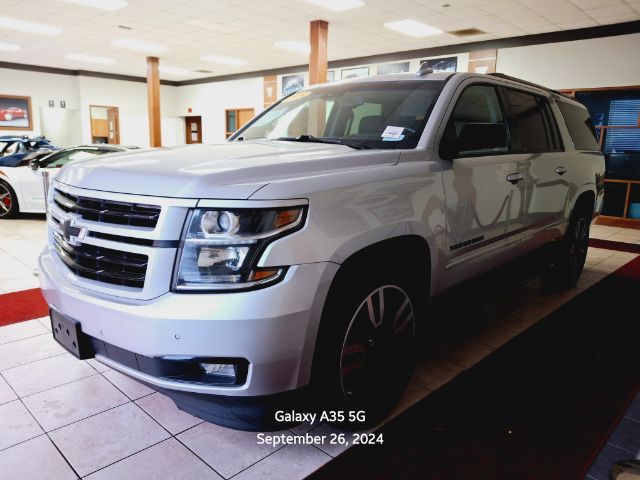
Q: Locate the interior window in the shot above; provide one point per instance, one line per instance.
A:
(477, 107)
(527, 126)
(580, 126)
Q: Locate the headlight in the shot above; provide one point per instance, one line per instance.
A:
(221, 247)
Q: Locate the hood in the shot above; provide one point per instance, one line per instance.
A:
(224, 171)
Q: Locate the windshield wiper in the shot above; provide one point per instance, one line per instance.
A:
(332, 141)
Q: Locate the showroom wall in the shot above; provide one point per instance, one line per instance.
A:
(597, 62)
(78, 93)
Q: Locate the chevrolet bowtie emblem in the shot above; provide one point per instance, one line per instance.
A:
(72, 233)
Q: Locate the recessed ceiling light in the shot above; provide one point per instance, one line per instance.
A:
(101, 4)
(223, 60)
(80, 57)
(139, 45)
(299, 47)
(174, 71)
(337, 5)
(9, 47)
(413, 28)
(29, 27)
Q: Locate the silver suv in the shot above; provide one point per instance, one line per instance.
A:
(294, 262)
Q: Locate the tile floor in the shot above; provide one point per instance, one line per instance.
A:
(61, 418)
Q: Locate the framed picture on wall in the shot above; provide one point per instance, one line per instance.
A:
(387, 68)
(355, 72)
(291, 84)
(447, 64)
(15, 113)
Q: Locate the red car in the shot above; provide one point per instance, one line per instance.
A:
(11, 113)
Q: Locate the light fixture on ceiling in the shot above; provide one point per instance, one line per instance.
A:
(298, 47)
(101, 4)
(139, 45)
(182, 72)
(337, 5)
(413, 28)
(81, 57)
(29, 27)
(223, 60)
(9, 47)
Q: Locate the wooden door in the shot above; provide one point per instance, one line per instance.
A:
(113, 125)
(237, 118)
(193, 129)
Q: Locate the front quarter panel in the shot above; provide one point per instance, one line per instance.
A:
(363, 207)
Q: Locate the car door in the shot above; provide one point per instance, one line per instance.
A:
(535, 139)
(484, 185)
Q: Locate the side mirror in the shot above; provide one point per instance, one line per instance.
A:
(482, 136)
(34, 164)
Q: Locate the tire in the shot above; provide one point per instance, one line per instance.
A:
(8, 117)
(570, 253)
(365, 353)
(8, 201)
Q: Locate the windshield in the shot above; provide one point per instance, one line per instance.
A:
(383, 115)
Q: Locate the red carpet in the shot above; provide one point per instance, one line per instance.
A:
(20, 306)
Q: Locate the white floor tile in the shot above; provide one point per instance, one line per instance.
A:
(74, 401)
(35, 459)
(6, 393)
(28, 350)
(16, 424)
(227, 451)
(165, 412)
(131, 388)
(20, 330)
(47, 373)
(26, 282)
(98, 441)
(98, 366)
(168, 460)
(46, 322)
(293, 462)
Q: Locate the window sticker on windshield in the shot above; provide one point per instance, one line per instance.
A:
(394, 139)
(393, 133)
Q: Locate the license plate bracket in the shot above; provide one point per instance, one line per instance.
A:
(68, 333)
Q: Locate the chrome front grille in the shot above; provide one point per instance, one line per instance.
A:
(103, 264)
(108, 211)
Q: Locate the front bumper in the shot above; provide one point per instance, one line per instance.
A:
(273, 328)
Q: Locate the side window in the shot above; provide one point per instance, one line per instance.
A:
(580, 126)
(477, 125)
(529, 125)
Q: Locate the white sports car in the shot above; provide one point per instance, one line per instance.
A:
(22, 188)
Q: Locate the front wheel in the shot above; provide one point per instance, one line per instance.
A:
(571, 253)
(8, 117)
(8, 201)
(366, 344)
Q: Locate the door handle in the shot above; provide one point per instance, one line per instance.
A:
(561, 170)
(514, 178)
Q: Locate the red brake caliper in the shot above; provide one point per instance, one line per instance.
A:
(7, 202)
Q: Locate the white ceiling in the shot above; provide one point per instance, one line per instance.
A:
(247, 29)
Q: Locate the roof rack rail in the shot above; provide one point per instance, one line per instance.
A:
(525, 82)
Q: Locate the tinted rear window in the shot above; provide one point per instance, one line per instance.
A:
(530, 126)
(580, 126)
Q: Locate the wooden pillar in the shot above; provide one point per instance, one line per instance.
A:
(153, 95)
(318, 61)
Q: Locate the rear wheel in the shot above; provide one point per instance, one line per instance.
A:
(8, 117)
(571, 252)
(366, 343)
(8, 201)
